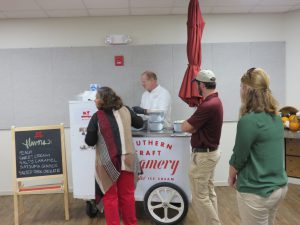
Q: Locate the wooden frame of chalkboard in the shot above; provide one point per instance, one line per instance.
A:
(39, 155)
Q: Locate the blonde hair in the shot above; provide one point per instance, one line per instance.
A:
(257, 96)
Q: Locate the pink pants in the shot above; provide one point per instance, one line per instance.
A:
(119, 201)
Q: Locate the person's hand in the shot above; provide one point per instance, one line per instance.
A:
(232, 177)
(232, 182)
(139, 110)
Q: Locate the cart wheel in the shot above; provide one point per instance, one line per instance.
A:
(91, 208)
(166, 203)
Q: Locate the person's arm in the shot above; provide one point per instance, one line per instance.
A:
(141, 109)
(196, 121)
(136, 121)
(91, 136)
(245, 137)
(187, 127)
(232, 177)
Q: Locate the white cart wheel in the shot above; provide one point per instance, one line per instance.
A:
(166, 203)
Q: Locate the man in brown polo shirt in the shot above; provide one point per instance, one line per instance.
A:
(205, 125)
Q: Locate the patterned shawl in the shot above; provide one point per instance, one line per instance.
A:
(114, 149)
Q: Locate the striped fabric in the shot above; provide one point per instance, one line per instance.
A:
(114, 149)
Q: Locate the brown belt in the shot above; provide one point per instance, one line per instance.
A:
(204, 149)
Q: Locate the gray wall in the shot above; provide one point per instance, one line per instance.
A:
(36, 84)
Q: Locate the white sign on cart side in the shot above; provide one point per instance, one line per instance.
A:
(163, 159)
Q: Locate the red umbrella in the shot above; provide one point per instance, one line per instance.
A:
(195, 25)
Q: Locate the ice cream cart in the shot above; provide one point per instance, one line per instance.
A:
(164, 157)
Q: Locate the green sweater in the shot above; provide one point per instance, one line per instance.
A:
(258, 154)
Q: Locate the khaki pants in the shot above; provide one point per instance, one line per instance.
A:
(204, 198)
(257, 210)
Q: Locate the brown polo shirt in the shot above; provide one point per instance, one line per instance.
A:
(207, 120)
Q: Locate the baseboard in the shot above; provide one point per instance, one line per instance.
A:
(221, 183)
(10, 192)
(293, 180)
(2, 193)
(217, 183)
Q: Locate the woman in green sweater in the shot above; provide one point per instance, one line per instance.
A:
(257, 164)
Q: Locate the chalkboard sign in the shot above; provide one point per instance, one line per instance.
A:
(38, 153)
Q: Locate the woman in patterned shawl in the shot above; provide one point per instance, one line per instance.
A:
(116, 163)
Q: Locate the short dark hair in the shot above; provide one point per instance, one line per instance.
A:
(110, 100)
(209, 85)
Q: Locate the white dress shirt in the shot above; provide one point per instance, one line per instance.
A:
(158, 98)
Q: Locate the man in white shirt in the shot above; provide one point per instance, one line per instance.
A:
(155, 97)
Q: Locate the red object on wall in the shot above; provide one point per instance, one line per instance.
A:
(119, 60)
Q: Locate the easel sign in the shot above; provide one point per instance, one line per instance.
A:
(39, 155)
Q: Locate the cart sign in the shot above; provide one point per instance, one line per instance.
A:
(163, 159)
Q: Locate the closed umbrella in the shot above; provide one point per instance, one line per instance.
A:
(195, 25)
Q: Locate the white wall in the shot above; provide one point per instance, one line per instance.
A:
(32, 33)
(151, 30)
(292, 21)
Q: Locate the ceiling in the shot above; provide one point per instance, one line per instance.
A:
(85, 8)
